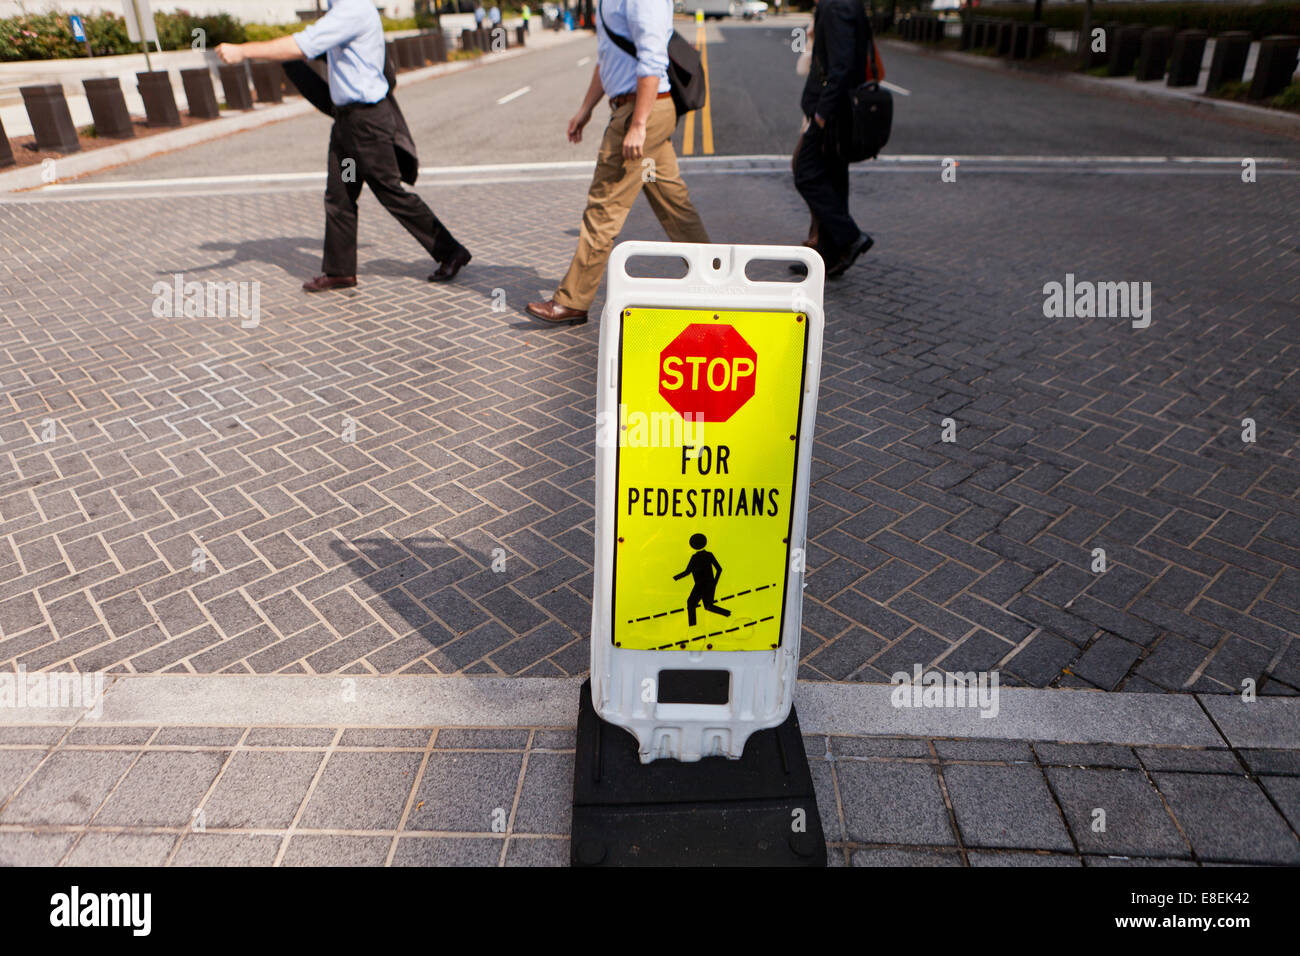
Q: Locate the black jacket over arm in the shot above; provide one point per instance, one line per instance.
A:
(841, 41)
(317, 92)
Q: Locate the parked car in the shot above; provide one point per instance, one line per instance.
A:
(752, 9)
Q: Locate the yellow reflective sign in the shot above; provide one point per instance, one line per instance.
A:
(708, 435)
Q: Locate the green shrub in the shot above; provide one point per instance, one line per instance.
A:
(1259, 20)
(41, 36)
(47, 36)
(1288, 99)
(176, 30)
(255, 32)
(107, 34)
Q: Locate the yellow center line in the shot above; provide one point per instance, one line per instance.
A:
(688, 135)
(706, 118)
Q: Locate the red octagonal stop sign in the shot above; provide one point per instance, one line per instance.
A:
(708, 371)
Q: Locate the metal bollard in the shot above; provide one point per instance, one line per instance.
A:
(51, 121)
(1185, 57)
(1127, 46)
(267, 80)
(199, 94)
(1229, 62)
(1020, 40)
(108, 108)
(1154, 56)
(234, 84)
(159, 100)
(411, 50)
(429, 45)
(1037, 40)
(1275, 66)
(1006, 34)
(1099, 58)
(6, 151)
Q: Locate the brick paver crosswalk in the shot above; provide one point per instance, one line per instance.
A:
(330, 490)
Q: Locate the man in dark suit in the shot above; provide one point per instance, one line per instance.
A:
(841, 44)
(369, 143)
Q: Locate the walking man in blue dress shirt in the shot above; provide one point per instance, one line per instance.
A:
(636, 152)
(369, 143)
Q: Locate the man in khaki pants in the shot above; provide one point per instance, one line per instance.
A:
(641, 123)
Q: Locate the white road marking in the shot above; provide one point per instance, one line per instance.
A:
(514, 96)
(584, 61)
(894, 87)
(732, 165)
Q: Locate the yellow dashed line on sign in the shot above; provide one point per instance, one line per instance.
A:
(728, 597)
(704, 637)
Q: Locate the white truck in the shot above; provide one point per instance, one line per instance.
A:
(712, 9)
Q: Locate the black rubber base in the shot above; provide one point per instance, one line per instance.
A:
(760, 810)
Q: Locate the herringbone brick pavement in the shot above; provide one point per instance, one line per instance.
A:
(199, 509)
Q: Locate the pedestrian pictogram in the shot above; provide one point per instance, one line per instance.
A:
(706, 572)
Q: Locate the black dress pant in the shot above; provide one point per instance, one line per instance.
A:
(822, 179)
(363, 134)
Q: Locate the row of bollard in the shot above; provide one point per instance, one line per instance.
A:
(413, 52)
(1147, 53)
(53, 128)
(1017, 39)
(51, 120)
(490, 39)
(922, 28)
(1154, 53)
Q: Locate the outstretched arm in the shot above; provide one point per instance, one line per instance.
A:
(342, 24)
(281, 48)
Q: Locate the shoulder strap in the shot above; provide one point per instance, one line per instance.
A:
(872, 58)
(622, 42)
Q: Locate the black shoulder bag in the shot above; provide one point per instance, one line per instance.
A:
(685, 68)
(864, 130)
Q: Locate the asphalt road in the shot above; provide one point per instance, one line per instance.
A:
(950, 109)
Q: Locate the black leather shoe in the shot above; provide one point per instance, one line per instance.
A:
(321, 283)
(850, 256)
(447, 270)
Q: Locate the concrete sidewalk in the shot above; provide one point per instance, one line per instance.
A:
(17, 123)
(166, 775)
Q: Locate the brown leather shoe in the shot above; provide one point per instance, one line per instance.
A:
(447, 270)
(556, 314)
(321, 283)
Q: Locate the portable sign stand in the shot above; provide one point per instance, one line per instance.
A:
(688, 747)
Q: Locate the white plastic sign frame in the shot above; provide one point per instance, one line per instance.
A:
(761, 682)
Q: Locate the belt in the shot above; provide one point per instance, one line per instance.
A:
(616, 101)
(349, 107)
